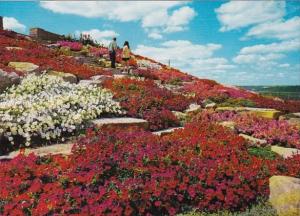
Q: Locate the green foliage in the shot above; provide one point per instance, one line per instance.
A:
(263, 152)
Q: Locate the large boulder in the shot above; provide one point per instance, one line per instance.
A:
(262, 112)
(120, 122)
(25, 67)
(7, 80)
(65, 76)
(285, 195)
(252, 141)
(285, 152)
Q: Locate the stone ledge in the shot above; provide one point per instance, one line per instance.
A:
(262, 112)
(120, 122)
(254, 141)
(166, 131)
(64, 149)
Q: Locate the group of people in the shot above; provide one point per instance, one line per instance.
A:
(113, 46)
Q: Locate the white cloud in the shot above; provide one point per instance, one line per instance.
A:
(155, 35)
(155, 14)
(256, 58)
(101, 36)
(12, 23)
(266, 54)
(286, 65)
(279, 29)
(282, 47)
(238, 14)
(189, 57)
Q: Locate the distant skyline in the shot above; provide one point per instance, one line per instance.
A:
(237, 42)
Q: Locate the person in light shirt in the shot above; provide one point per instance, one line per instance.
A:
(126, 56)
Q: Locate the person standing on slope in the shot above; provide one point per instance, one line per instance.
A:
(112, 48)
(126, 56)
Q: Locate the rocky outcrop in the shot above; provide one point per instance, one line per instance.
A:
(25, 67)
(285, 195)
(7, 80)
(65, 76)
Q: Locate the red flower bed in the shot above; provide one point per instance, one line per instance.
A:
(136, 173)
(143, 99)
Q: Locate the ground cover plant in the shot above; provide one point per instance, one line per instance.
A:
(47, 107)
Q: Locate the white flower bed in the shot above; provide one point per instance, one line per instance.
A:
(47, 106)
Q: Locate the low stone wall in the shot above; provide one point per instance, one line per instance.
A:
(43, 35)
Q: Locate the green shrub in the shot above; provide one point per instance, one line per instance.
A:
(263, 152)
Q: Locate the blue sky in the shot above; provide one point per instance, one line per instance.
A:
(238, 42)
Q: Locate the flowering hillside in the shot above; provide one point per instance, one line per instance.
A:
(202, 147)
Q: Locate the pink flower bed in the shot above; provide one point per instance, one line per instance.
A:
(278, 132)
(74, 46)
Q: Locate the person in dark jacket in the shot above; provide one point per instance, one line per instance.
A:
(112, 48)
